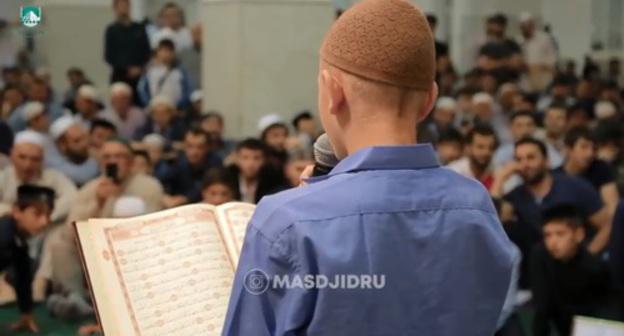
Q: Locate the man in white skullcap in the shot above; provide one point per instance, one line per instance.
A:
(121, 112)
(71, 151)
(35, 116)
(196, 107)
(37, 90)
(445, 111)
(88, 105)
(163, 120)
(129, 206)
(604, 109)
(482, 106)
(540, 53)
(27, 157)
(274, 133)
(486, 110)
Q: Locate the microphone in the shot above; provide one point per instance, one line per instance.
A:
(324, 158)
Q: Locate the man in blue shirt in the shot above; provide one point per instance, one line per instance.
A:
(388, 243)
(543, 190)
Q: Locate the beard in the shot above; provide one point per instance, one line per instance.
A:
(536, 178)
(482, 166)
(78, 157)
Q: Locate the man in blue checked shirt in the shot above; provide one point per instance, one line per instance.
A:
(388, 243)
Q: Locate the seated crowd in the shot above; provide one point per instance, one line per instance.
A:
(546, 142)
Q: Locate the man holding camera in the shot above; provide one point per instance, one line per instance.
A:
(96, 199)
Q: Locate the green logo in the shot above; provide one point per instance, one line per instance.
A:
(30, 15)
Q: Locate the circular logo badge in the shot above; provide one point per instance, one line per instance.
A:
(256, 281)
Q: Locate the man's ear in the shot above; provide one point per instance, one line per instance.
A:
(16, 212)
(335, 91)
(579, 234)
(430, 99)
(60, 144)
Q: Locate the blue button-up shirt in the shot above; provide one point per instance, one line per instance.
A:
(391, 212)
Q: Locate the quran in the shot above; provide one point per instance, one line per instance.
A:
(588, 326)
(165, 273)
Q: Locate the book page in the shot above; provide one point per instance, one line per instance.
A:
(587, 326)
(233, 220)
(171, 270)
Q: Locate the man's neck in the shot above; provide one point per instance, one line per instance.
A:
(25, 179)
(477, 170)
(553, 138)
(124, 20)
(249, 180)
(123, 114)
(380, 134)
(541, 188)
(571, 169)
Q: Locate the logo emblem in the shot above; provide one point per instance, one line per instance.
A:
(30, 15)
(256, 281)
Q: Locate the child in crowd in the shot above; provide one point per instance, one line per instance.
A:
(29, 216)
(141, 163)
(566, 279)
(165, 77)
(450, 146)
(253, 177)
(218, 187)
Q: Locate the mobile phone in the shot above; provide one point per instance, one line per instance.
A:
(111, 171)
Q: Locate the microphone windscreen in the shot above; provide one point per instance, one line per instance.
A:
(323, 152)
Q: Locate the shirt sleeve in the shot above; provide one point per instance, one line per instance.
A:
(603, 173)
(549, 52)
(588, 199)
(144, 46)
(108, 46)
(509, 305)
(542, 299)
(257, 307)
(66, 193)
(23, 281)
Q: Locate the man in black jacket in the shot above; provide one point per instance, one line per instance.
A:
(126, 46)
(566, 279)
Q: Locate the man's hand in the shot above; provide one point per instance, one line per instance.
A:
(306, 173)
(501, 176)
(89, 329)
(292, 143)
(505, 172)
(25, 323)
(173, 201)
(134, 71)
(105, 189)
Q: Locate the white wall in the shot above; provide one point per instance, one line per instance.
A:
(261, 56)
(571, 22)
(72, 34)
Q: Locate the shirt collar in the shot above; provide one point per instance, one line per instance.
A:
(418, 156)
(389, 157)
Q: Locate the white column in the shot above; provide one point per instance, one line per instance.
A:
(261, 56)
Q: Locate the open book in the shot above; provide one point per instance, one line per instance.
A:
(166, 273)
(588, 326)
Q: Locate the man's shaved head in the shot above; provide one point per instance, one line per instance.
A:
(376, 75)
